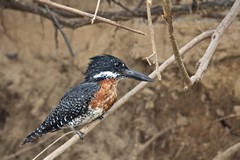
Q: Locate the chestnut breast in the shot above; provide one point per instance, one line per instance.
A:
(106, 96)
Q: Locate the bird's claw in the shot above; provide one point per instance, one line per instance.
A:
(100, 117)
(80, 134)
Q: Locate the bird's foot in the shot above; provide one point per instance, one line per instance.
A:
(100, 117)
(80, 134)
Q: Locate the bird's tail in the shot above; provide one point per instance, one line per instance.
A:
(35, 135)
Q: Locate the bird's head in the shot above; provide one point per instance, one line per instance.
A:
(107, 66)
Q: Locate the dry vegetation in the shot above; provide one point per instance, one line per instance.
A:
(162, 121)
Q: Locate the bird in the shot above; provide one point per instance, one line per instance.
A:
(90, 99)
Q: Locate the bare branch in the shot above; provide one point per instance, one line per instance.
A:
(50, 145)
(220, 30)
(179, 151)
(186, 48)
(27, 149)
(150, 26)
(229, 153)
(124, 7)
(96, 10)
(127, 96)
(74, 20)
(226, 117)
(168, 17)
(82, 13)
(151, 140)
(148, 57)
(59, 27)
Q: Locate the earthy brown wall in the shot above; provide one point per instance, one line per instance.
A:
(32, 83)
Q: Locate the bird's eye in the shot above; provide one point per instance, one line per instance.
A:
(117, 65)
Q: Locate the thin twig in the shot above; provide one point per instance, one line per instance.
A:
(220, 30)
(225, 118)
(59, 27)
(96, 10)
(150, 26)
(179, 151)
(229, 153)
(168, 17)
(27, 149)
(148, 57)
(75, 21)
(124, 7)
(139, 4)
(151, 140)
(52, 144)
(187, 47)
(127, 96)
(82, 13)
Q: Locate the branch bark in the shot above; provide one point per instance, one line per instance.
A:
(150, 26)
(73, 20)
(82, 13)
(59, 27)
(126, 97)
(168, 17)
(229, 153)
(220, 30)
(156, 136)
(96, 11)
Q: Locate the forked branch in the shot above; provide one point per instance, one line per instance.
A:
(220, 30)
(150, 26)
(167, 15)
(125, 98)
(96, 11)
(59, 27)
(82, 13)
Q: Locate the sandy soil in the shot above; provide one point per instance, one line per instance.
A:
(34, 75)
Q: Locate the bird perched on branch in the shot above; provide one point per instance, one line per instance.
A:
(89, 100)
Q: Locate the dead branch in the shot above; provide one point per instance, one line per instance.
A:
(150, 26)
(96, 11)
(220, 30)
(82, 13)
(229, 153)
(74, 20)
(127, 96)
(179, 151)
(147, 59)
(123, 7)
(225, 118)
(156, 136)
(27, 149)
(168, 17)
(50, 145)
(59, 27)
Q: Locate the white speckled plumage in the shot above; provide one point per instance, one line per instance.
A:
(90, 99)
(91, 115)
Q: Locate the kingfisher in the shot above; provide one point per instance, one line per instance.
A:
(90, 99)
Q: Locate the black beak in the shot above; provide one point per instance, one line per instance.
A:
(136, 75)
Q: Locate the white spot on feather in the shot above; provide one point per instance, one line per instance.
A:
(86, 118)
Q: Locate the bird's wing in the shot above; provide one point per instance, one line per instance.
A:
(73, 104)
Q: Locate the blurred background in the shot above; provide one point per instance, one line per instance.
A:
(34, 75)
